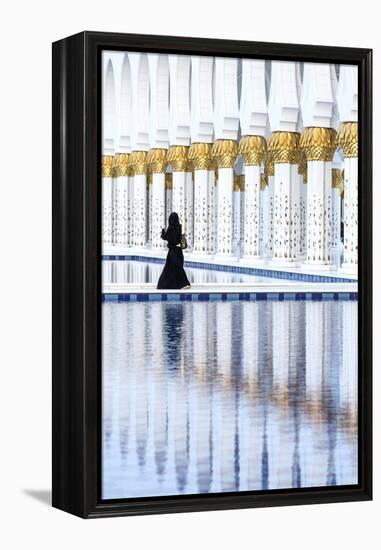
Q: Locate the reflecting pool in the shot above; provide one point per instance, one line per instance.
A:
(137, 272)
(204, 397)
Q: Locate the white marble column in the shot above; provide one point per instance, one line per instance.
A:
(302, 171)
(189, 202)
(263, 215)
(156, 161)
(318, 145)
(224, 152)
(138, 168)
(107, 162)
(269, 173)
(202, 129)
(120, 199)
(140, 144)
(347, 139)
(178, 160)
(199, 156)
(283, 144)
(252, 149)
(236, 214)
(284, 148)
(168, 196)
(337, 189)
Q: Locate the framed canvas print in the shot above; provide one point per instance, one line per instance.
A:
(211, 274)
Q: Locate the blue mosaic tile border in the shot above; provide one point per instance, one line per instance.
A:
(231, 297)
(272, 273)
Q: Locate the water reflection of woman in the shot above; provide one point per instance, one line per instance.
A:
(173, 274)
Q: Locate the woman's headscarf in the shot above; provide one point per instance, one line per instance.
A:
(173, 221)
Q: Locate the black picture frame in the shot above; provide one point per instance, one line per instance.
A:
(76, 180)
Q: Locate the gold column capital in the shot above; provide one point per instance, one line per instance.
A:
(338, 179)
(120, 165)
(168, 181)
(252, 149)
(283, 147)
(269, 164)
(157, 160)
(177, 158)
(199, 156)
(224, 152)
(107, 163)
(138, 165)
(302, 165)
(264, 181)
(318, 143)
(347, 139)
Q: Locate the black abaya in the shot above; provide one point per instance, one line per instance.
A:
(173, 274)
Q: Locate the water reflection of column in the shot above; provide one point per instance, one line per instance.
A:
(250, 453)
(315, 333)
(349, 371)
(181, 418)
(280, 460)
(138, 312)
(297, 386)
(160, 404)
(123, 385)
(226, 456)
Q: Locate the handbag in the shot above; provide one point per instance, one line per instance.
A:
(183, 242)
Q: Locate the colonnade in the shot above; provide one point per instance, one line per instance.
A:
(259, 159)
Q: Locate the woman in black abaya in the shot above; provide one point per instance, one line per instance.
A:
(173, 274)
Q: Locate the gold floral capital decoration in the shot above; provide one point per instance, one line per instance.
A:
(157, 160)
(269, 164)
(177, 158)
(338, 179)
(168, 181)
(138, 164)
(347, 139)
(302, 165)
(284, 146)
(264, 181)
(318, 143)
(252, 149)
(120, 165)
(199, 156)
(224, 152)
(107, 163)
